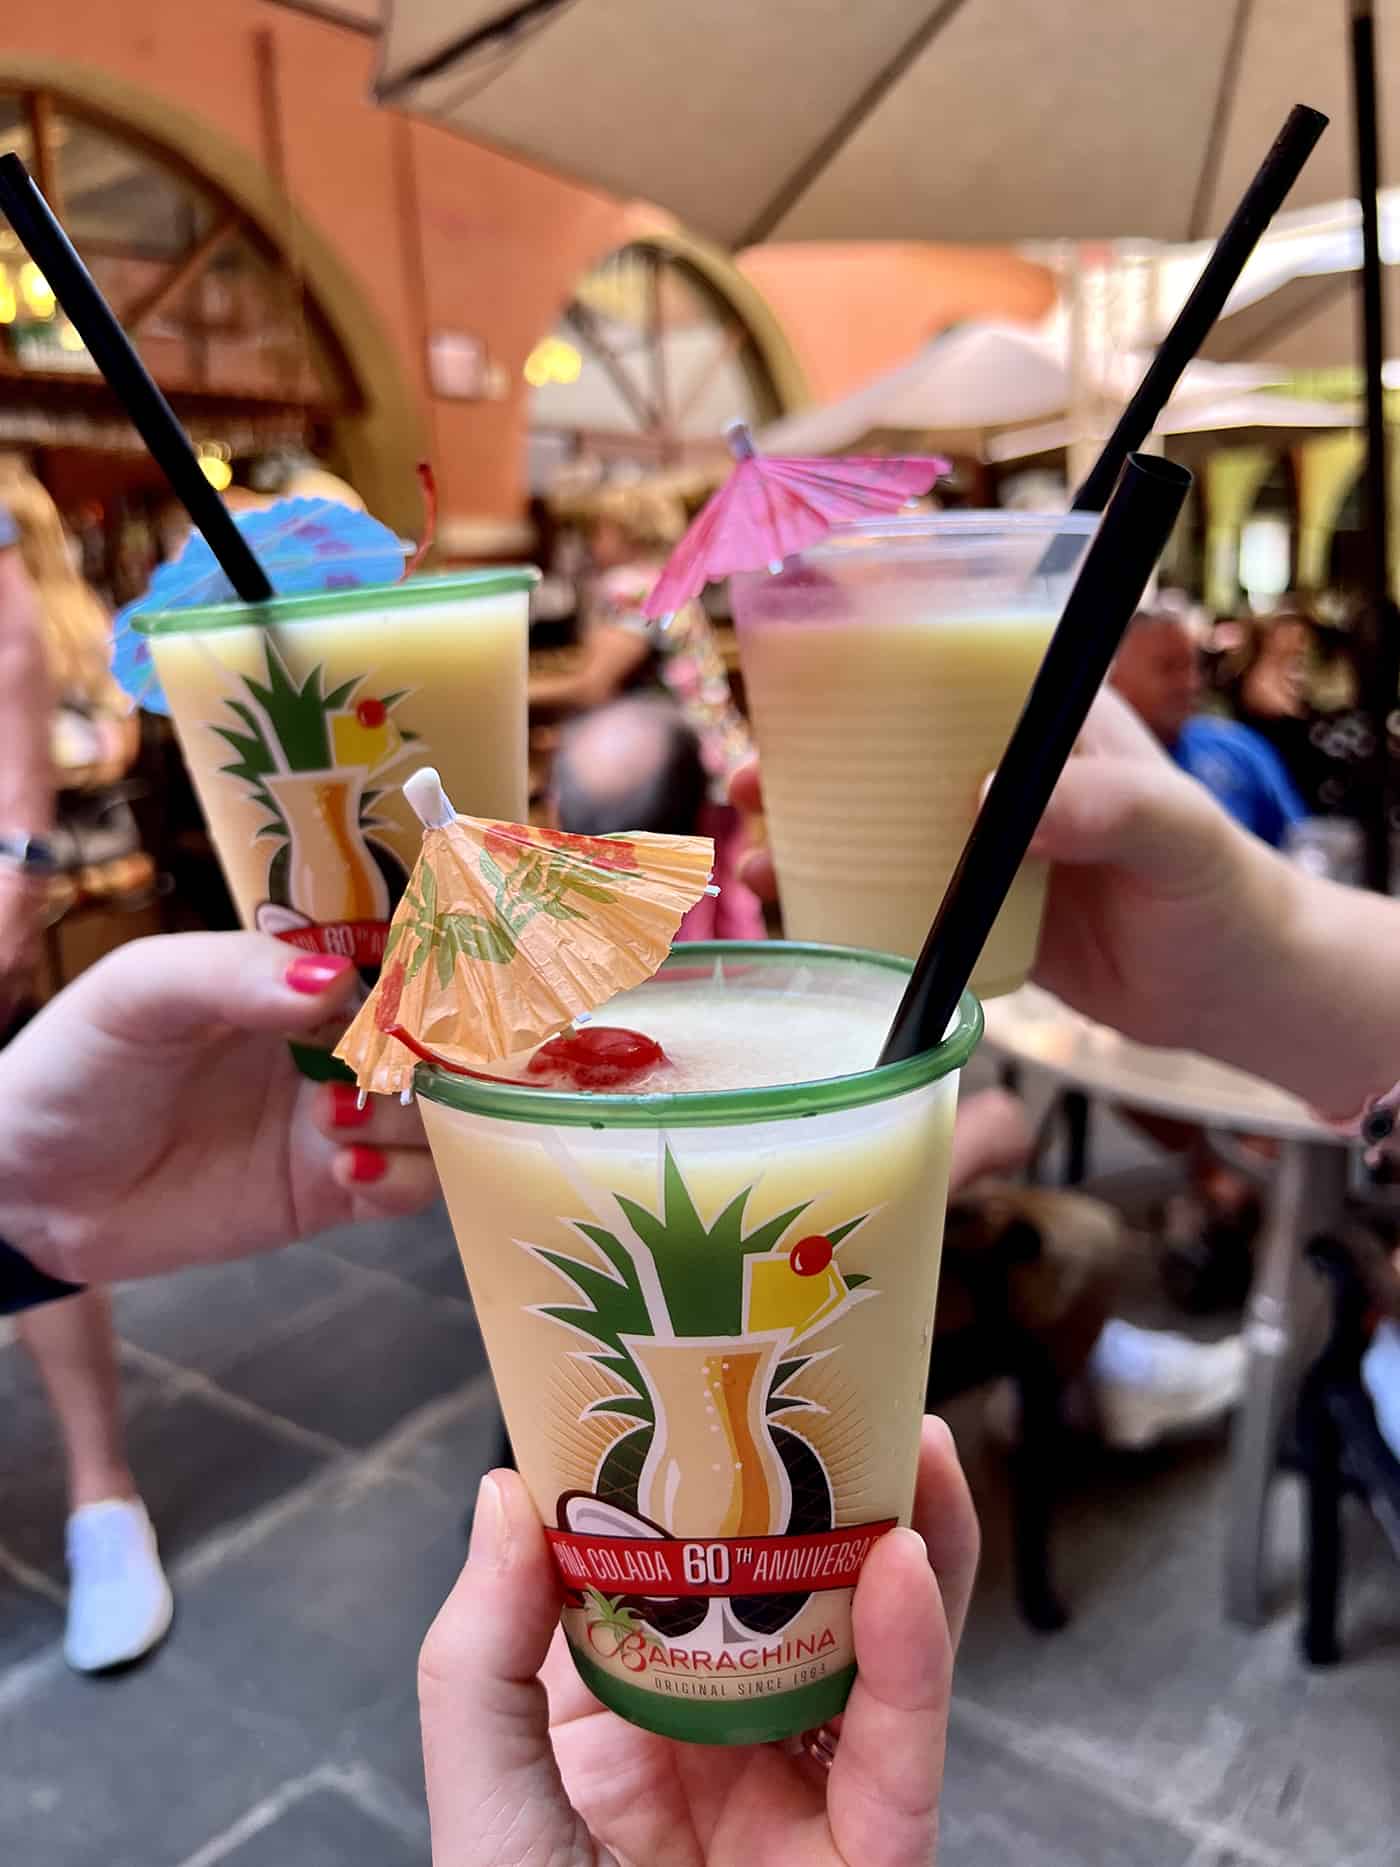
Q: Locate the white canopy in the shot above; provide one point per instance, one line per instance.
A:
(979, 377)
(1214, 415)
(967, 120)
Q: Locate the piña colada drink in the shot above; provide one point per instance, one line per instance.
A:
(885, 670)
(300, 718)
(708, 1304)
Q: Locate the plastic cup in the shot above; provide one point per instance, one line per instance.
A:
(885, 670)
(709, 1316)
(299, 720)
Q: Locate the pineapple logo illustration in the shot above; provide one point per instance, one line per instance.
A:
(314, 761)
(699, 1329)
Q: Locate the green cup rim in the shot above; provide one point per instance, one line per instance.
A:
(412, 593)
(718, 1108)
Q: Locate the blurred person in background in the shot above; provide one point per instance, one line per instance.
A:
(631, 532)
(1267, 687)
(635, 764)
(65, 736)
(1299, 684)
(1158, 672)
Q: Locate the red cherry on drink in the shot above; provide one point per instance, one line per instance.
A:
(810, 1256)
(371, 713)
(599, 1056)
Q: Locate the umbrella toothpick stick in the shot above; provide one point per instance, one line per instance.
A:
(431, 804)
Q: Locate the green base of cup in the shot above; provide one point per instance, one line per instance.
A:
(764, 1720)
(319, 1066)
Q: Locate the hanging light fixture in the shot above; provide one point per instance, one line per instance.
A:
(36, 291)
(214, 459)
(552, 360)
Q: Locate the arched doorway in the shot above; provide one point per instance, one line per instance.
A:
(257, 331)
(662, 343)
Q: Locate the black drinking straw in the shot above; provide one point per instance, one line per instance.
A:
(152, 416)
(1111, 580)
(1262, 199)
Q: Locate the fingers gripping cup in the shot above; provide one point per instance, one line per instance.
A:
(708, 1305)
(885, 669)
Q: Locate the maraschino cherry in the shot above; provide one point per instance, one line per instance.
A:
(371, 713)
(597, 1056)
(810, 1256)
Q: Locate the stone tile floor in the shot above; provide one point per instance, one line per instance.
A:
(308, 1430)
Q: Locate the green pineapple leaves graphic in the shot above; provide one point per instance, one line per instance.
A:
(700, 1271)
(613, 1306)
(294, 721)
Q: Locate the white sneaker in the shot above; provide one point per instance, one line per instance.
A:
(119, 1602)
(1148, 1383)
(1380, 1376)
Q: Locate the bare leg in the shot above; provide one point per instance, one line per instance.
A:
(991, 1135)
(72, 1346)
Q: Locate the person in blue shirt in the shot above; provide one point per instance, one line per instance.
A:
(1158, 673)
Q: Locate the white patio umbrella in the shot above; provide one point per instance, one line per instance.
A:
(963, 120)
(1227, 413)
(1295, 304)
(977, 378)
(1309, 320)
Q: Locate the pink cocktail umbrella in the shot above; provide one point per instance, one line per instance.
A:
(772, 506)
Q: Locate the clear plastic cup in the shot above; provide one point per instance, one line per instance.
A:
(299, 720)
(708, 1316)
(885, 669)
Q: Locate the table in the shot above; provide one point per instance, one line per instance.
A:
(1304, 1195)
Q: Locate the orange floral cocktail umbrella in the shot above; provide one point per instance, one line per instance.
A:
(507, 932)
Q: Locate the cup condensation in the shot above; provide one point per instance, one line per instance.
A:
(299, 720)
(885, 670)
(709, 1318)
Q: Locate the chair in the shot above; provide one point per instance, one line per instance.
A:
(1027, 1283)
(1340, 1447)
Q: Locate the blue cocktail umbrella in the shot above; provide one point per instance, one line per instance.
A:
(304, 545)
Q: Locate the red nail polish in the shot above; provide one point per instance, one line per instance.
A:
(312, 973)
(345, 1107)
(367, 1164)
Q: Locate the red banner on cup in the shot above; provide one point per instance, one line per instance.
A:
(362, 941)
(715, 1566)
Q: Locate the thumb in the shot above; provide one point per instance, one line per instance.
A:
(181, 988)
(494, 1791)
(884, 1788)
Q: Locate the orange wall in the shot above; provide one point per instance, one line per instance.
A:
(851, 310)
(503, 246)
(435, 231)
(496, 247)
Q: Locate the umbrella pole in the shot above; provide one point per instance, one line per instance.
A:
(1382, 656)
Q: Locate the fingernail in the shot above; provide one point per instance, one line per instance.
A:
(313, 973)
(345, 1107)
(367, 1164)
(912, 1536)
(490, 1541)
